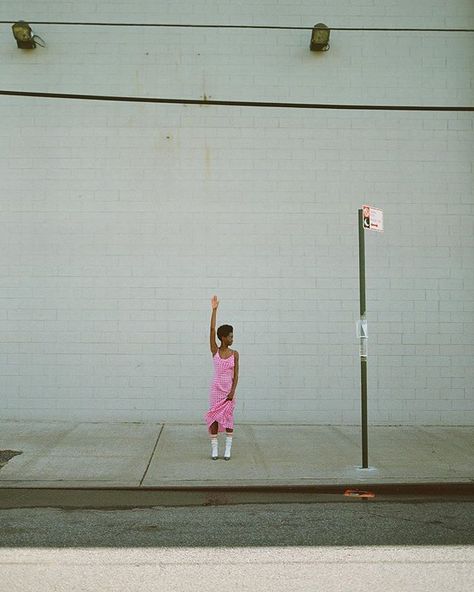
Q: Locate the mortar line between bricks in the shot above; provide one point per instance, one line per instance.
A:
(152, 455)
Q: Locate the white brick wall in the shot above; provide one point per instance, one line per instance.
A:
(120, 220)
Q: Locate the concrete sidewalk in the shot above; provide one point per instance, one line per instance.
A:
(147, 455)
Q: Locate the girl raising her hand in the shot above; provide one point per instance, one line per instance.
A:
(220, 416)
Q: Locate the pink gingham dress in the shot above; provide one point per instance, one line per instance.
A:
(221, 410)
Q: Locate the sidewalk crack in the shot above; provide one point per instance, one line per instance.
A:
(151, 457)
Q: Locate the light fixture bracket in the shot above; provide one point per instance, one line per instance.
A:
(23, 35)
(320, 37)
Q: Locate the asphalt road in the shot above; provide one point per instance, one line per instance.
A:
(324, 546)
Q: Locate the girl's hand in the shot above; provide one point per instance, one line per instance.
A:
(214, 303)
(230, 396)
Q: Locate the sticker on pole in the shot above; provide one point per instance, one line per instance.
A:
(372, 218)
(361, 328)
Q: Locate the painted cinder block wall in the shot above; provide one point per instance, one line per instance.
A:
(119, 221)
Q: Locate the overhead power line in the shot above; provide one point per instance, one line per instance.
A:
(178, 25)
(267, 104)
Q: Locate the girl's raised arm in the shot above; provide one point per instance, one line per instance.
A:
(213, 344)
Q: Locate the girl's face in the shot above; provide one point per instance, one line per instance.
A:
(228, 340)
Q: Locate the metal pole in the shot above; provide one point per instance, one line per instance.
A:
(363, 345)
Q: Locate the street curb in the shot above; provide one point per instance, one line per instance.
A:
(147, 497)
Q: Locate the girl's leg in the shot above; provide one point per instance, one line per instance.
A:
(228, 443)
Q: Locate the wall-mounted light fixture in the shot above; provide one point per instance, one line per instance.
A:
(23, 35)
(320, 38)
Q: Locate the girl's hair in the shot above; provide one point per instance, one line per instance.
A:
(224, 331)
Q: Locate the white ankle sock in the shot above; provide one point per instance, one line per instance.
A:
(228, 445)
(214, 446)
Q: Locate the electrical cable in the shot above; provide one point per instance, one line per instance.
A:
(179, 25)
(182, 101)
